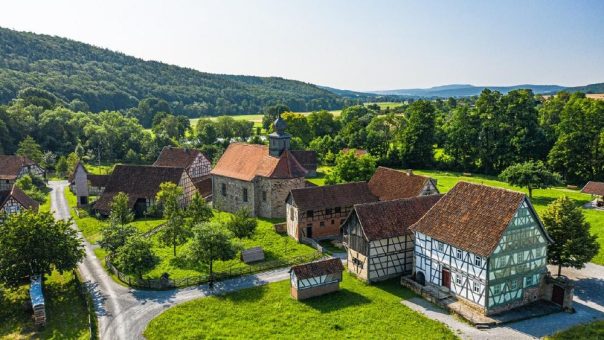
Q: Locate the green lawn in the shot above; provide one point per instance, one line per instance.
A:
(541, 198)
(255, 118)
(593, 330)
(276, 246)
(102, 169)
(67, 316)
(358, 311)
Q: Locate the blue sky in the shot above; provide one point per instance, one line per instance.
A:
(358, 45)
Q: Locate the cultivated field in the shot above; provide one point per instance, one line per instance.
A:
(358, 311)
(599, 96)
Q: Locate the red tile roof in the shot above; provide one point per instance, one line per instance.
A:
(388, 219)
(318, 268)
(389, 184)
(471, 216)
(331, 196)
(10, 165)
(594, 188)
(21, 197)
(177, 157)
(246, 161)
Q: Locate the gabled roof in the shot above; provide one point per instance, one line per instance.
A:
(318, 268)
(10, 165)
(389, 184)
(137, 181)
(388, 219)
(177, 157)
(246, 161)
(330, 196)
(204, 186)
(594, 188)
(472, 217)
(21, 197)
(98, 180)
(307, 158)
(75, 169)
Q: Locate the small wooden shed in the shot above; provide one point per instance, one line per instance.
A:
(316, 278)
(37, 301)
(255, 254)
(595, 189)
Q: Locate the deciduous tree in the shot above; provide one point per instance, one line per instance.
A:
(175, 232)
(530, 175)
(210, 243)
(120, 213)
(135, 257)
(242, 224)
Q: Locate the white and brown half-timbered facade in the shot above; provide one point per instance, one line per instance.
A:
(15, 200)
(377, 237)
(13, 167)
(316, 278)
(485, 245)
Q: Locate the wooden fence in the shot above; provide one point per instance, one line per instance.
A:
(168, 283)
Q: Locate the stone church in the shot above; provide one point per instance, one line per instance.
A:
(259, 177)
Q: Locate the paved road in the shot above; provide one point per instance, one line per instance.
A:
(124, 313)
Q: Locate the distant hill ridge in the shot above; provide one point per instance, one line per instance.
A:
(108, 80)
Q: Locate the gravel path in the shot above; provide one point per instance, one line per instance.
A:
(124, 313)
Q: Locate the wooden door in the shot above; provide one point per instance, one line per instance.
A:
(558, 295)
(309, 232)
(446, 278)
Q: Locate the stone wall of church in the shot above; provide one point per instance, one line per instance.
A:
(232, 197)
(271, 195)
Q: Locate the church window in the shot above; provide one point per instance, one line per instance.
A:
(264, 196)
(223, 189)
(244, 194)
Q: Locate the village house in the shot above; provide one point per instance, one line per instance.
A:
(485, 246)
(257, 177)
(13, 167)
(141, 183)
(596, 190)
(318, 212)
(316, 278)
(15, 200)
(198, 166)
(83, 184)
(377, 238)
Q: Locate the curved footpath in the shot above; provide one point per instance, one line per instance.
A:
(124, 313)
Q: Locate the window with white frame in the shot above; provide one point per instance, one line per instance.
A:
(514, 285)
(476, 287)
(478, 261)
(529, 280)
(458, 279)
(440, 246)
(520, 257)
(459, 254)
(497, 289)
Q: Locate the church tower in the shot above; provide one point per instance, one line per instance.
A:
(279, 140)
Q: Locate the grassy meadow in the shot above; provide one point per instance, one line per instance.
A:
(67, 316)
(593, 330)
(357, 311)
(276, 246)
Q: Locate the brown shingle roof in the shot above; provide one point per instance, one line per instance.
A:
(388, 219)
(98, 180)
(73, 172)
(177, 157)
(389, 184)
(318, 268)
(246, 161)
(204, 186)
(594, 188)
(10, 165)
(138, 181)
(472, 217)
(19, 196)
(330, 196)
(307, 158)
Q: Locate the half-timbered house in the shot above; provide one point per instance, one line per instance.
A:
(318, 212)
(15, 200)
(390, 184)
(141, 183)
(377, 237)
(84, 184)
(316, 278)
(483, 245)
(13, 167)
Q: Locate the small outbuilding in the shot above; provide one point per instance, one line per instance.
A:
(596, 190)
(316, 278)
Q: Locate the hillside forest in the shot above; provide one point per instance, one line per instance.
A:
(484, 134)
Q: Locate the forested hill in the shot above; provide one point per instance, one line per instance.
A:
(107, 80)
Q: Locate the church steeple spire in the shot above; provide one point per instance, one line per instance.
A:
(279, 140)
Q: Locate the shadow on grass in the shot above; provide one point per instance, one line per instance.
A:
(393, 287)
(335, 301)
(182, 262)
(245, 295)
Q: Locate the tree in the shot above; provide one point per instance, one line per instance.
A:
(297, 125)
(350, 168)
(573, 244)
(135, 257)
(242, 224)
(271, 113)
(210, 243)
(322, 123)
(30, 149)
(199, 210)
(417, 139)
(530, 175)
(114, 236)
(120, 212)
(175, 232)
(62, 167)
(35, 243)
(206, 131)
